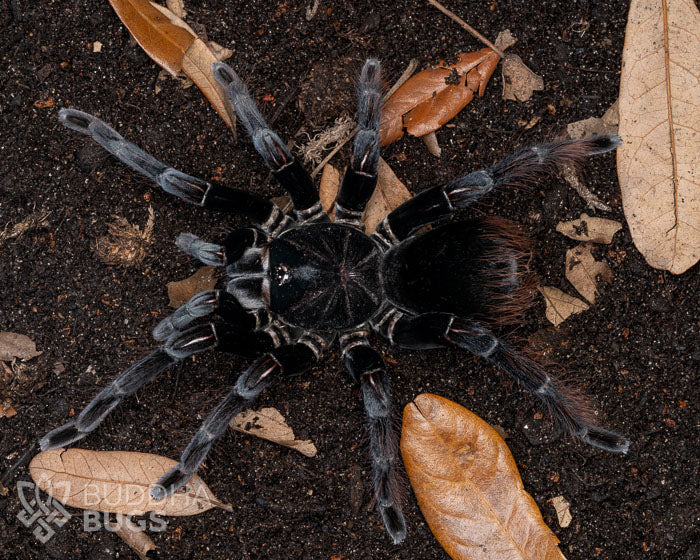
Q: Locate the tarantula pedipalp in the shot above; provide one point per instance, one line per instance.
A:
(296, 283)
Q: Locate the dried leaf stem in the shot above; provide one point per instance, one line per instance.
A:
(467, 27)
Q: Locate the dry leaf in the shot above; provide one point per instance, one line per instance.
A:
(518, 80)
(177, 7)
(181, 291)
(468, 486)
(13, 345)
(587, 228)
(563, 513)
(125, 245)
(174, 46)
(434, 96)
(134, 536)
(560, 305)
(431, 142)
(117, 482)
(7, 410)
(389, 193)
(590, 127)
(658, 163)
(584, 272)
(269, 424)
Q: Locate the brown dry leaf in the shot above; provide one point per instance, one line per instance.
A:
(137, 539)
(117, 482)
(125, 245)
(434, 96)
(584, 272)
(560, 305)
(13, 345)
(658, 163)
(518, 80)
(269, 424)
(389, 193)
(7, 410)
(561, 506)
(468, 486)
(174, 46)
(592, 229)
(181, 291)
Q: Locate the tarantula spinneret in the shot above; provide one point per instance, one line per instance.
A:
(296, 283)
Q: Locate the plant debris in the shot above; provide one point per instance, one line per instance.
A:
(468, 486)
(584, 272)
(13, 345)
(35, 220)
(181, 291)
(592, 229)
(658, 163)
(125, 245)
(560, 305)
(137, 539)
(268, 423)
(561, 506)
(518, 80)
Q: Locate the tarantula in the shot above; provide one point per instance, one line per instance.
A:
(295, 283)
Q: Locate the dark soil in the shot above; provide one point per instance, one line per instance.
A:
(635, 351)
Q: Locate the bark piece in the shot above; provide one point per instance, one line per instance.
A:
(658, 163)
(135, 537)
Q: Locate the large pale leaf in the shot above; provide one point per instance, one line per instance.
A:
(117, 482)
(468, 486)
(659, 160)
(174, 46)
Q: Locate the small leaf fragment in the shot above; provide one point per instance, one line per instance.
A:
(592, 229)
(389, 193)
(181, 291)
(518, 80)
(135, 537)
(269, 424)
(590, 127)
(584, 272)
(13, 345)
(7, 410)
(116, 482)
(468, 486)
(561, 506)
(560, 305)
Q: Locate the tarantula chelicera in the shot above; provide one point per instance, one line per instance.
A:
(295, 283)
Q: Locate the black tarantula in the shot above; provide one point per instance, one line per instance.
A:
(295, 283)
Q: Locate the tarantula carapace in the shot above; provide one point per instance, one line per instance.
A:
(295, 283)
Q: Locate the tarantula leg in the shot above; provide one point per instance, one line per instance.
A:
(286, 360)
(189, 188)
(522, 168)
(365, 365)
(361, 177)
(567, 405)
(219, 302)
(179, 346)
(288, 171)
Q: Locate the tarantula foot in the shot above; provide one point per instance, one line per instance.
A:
(602, 143)
(605, 439)
(61, 437)
(170, 482)
(394, 522)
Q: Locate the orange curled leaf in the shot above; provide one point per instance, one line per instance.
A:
(173, 45)
(434, 96)
(468, 486)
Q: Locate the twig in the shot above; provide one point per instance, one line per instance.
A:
(468, 27)
(412, 65)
